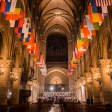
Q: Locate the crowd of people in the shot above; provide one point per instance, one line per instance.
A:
(57, 99)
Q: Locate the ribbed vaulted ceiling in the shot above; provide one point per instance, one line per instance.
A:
(57, 16)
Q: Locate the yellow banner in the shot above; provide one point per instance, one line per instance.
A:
(17, 11)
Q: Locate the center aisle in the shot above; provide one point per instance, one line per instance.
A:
(55, 108)
(52, 108)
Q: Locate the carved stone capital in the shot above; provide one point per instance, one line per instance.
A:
(17, 70)
(95, 73)
(14, 77)
(16, 74)
(78, 83)
(87, 74)
(95, 70)
(83, 80)
(105, 65)
(5, 63)
(105, 62)
(88, 77)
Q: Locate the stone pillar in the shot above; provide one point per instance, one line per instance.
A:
(89, 90)
(16, 78)
(76, 73)
(71, 83)
(29, 87)
(83, 89)
(86, 91)
(96, 85)
(79, 94)
(89, 86)
(82, 66)
(37, 74)
(106, 80)
(34, 89)
(78, 90)
(75, 90)
(70, 45)
(5, 68)
(74, 79)
(41, 84)
(43, 48)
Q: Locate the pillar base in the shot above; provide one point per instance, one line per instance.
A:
(105, 65)
(5, 68)
(16, 85)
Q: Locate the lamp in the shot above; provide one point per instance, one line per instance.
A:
(9, 94)
(62, 88)
(51, 88)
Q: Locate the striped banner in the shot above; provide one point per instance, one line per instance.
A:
(13, 5)
(2, 6)
(102, 3)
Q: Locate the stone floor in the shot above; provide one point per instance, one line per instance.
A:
(55, 108)
(75, 108)
(45, 107)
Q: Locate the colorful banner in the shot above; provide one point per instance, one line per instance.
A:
(12, 9)
(97, 10)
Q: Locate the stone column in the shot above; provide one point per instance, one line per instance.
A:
(82, 66)
(96, 85)
(5, 68)
(70, 45)
(89, 86)
(37, 74)
(106, 80)
(29, 87)
(71, 83)
(89, 89)
(16, 77)
(34, 89)
(76, 73)
(79, 94)
(43, 48)
(74, 79)
(78, 90)
(41, 83)
(83, 89)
